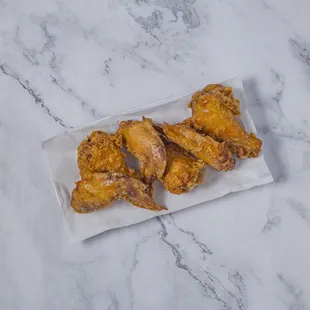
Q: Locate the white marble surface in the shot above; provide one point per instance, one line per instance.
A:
(65, 63)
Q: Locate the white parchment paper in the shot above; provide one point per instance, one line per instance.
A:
(61, 153)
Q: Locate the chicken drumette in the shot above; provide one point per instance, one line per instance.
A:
(214, 112)
(101, 152)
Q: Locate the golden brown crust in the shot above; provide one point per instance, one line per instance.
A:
(175, 154)
(225, 94)
(184, 171)
(187, 122)
(101, 152)
(144, 143)
(99, 190)
(106, 177)
(214, 153)
(213, 112)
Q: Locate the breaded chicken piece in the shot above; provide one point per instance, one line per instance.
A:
(143, 142)
(104, 170)
(98, 190)
(183, 172)
(215, 154)
(101, 152)
(213, 112)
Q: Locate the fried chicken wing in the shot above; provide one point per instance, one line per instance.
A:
(104, 174)
(216, 154)
(98, 190)
(143, 141)
(183, 172)
(213, 112)
(101, 152)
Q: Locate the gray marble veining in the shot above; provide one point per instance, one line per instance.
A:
(66, 63)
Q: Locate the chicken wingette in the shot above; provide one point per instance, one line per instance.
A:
(143, 142)
(216, 154)
(99, 190)
(184, 171)
(106, 177)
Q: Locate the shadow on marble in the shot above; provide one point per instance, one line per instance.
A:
(271, 147)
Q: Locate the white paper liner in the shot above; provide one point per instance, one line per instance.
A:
(61, 153)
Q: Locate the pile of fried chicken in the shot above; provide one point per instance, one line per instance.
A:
(174, 154)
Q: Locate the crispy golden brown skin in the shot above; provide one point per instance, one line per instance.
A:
(183, 171)
(143, 141)
(104, 173)
(98, 190)
(216, 154)
(101, 152)
(213, 112)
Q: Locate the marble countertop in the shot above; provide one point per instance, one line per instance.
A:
(66, 63)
